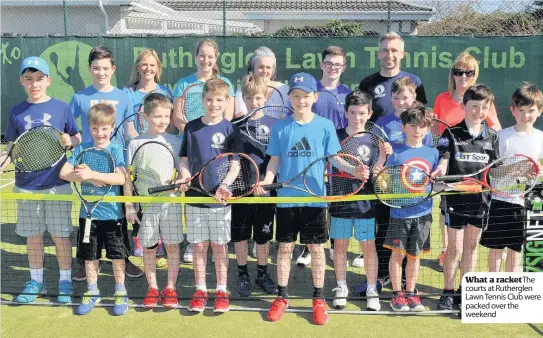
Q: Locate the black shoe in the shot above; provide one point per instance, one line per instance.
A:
(458, 297)
(244, 286)
(267, 284)
(446, 302)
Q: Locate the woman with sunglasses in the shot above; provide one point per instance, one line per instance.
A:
(448, 108)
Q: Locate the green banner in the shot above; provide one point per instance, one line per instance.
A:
(504, 61)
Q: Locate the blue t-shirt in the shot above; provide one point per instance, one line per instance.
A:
(183, 83)
(297, 145)
(202, 142)
(380, 89)
(328, 107)
(83, 100)
(104, 210)
(137, 97)
(392, 125)
(425, 158)
(25, 116)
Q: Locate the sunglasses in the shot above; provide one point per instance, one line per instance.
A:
(460, 72)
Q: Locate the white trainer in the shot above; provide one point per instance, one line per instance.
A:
(358, 262)
(340, 297)
(187, 256)
(372, 300)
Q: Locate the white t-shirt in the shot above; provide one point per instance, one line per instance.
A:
(170, 141)
(512, 142)
(276, 98)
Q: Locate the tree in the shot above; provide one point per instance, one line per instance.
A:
(331, 28)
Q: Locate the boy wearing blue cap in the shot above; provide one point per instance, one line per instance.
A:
(295, 142)
(34, 217)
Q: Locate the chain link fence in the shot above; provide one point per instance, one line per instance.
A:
(310, 18)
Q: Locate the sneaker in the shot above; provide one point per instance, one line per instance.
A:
(161, 263)
(441, 261)
(446, 302)
(267, 284)
(169, 298)
(331, 254)
(120, 306)
(304, 259)
(138, 249)
(132, 271)
(413, 301)
(399, 303)
(458, 298)
(320, 315)
(254, 250)
(160, 249)
(80, 275)
(277, 309)
(65, 291)
(152, 298)
(31, 290)
(198, 301)
(87, 303)
(222, 303)
(187, 256)
(244, 286)
(372, 300)
(340, 297)
(358, 262)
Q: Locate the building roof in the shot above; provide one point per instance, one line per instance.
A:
(296, 5)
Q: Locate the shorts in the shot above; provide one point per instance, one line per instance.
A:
(34, 217)
(505, 228)
(342, 228)
(309, 222)
(255, 219)
(161, 221)
(459, 222)
(409, 235)
(111, 235)
(208, 224)
(443, 205)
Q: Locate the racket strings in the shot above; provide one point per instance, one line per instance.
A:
(513, 176)
(366, 147)
(153, 165)
(340, 176)
(373, 128)
(411, 185)
(238, 173)
(99, 161)
(193, 107)
(437, 129)
(38, 149)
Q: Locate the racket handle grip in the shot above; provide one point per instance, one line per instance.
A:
(473, 188)
(272, 186)
(451, 178)
(162, 188)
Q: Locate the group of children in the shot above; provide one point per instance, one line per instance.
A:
(407, 232)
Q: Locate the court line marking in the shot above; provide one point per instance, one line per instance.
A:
(5, 185)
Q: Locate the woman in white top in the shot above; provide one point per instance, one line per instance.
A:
(263, 63)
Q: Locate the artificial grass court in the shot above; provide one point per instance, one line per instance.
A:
(59, 321)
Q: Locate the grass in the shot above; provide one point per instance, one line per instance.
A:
(47, 321)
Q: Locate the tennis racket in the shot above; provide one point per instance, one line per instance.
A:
(99, 160)
(374, 128)
(126, 130)
(511, 176)
(36, 149)
(341, 172)
(437, 129)
(140, 122)
(237, 172)
(328, 105)
(367, 147)
(152, 165)
(258, 124)
(191, 103)
(406, 186)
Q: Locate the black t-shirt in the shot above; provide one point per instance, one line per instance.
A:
(466, 155)
(357, 209)
(379, 87)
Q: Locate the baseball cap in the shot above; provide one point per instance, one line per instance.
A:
(302, 81)
(35, 62)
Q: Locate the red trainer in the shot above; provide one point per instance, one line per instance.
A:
(198, 301)
(152, 298)
(222, 303)
(277, 309)
(320, 316)
(170, 298)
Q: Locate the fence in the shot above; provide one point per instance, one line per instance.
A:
(273, 17)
